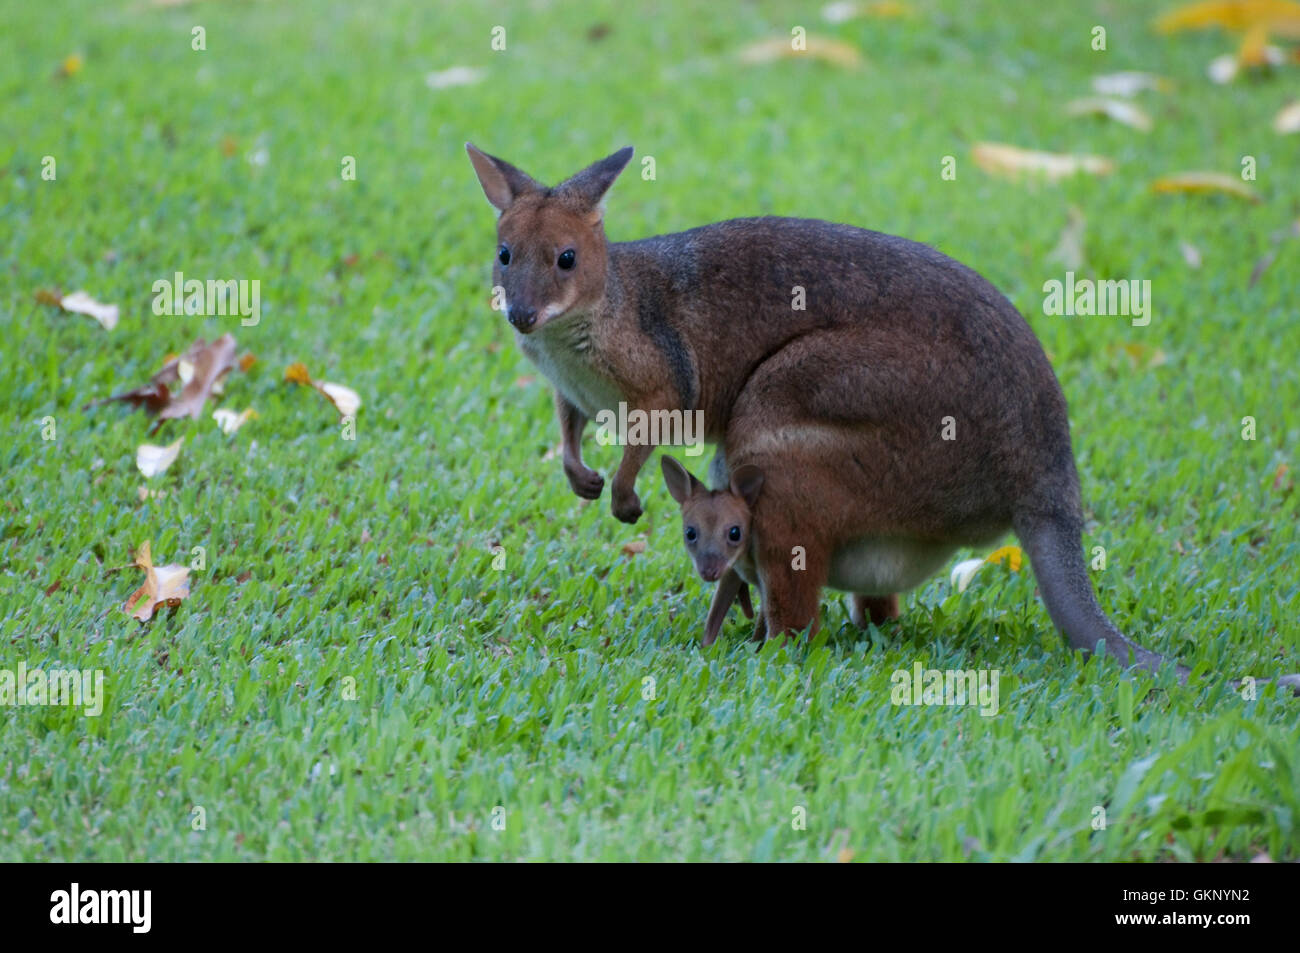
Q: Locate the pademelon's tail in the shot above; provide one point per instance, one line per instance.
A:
(1054, 546)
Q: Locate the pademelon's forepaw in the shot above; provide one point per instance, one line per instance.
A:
(587, 483)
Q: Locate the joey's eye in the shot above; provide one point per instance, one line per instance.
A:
(567, 259)
(691, 534)
(503, 255)
(733, 534)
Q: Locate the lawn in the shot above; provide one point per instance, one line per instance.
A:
(418, 643)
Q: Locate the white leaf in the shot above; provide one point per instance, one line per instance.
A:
(345, 399)
(82, 303)
(152, 460)
(964, 572)
(456, 76)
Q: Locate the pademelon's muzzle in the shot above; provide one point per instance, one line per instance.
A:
(523, 319)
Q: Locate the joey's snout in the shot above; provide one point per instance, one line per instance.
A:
(711, 567)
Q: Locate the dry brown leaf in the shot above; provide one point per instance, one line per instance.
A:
(210, 362)
(1117, 109)
(247, 361)
(151, 460)
(1288, 120)
(1011, 161)
(163, 586)
(836, 52)
(156, 395)
(1280, 479)
(634, 547)
(1205, 182)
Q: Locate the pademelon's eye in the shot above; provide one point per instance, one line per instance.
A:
(733, 534)
(691, 535)
(503, 255)
(567, 259)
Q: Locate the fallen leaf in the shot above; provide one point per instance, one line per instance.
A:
(81, 303)
(1117, 109)
(1205, 182)
(1069, 249)
(1191, 254)
(163, 586)
(1280, 16)
(229, 146)
(1010, 556)
(1288, 120)
(836, 52)
(156, 397)
(881, 9)
(152, 460)
(1140, 355)
(208, 363)
(964, 572)
(1280, 479)
(247, 361)
(1128, 84)
(345, 399)
(71, 65)
(845, 856)
(1223, 69)
(455, 76)
(51, 590)
(145, 493)
(229, 421)
(1012, 161)
(634, 547)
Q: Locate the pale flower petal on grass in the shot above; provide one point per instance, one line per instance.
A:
(81, 303)
(1011, 161)
(1116, 109)
(964, 571)
(152, 460)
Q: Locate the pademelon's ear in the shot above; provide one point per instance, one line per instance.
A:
(590, 185)
(502, 183)
(746, 482)
(681, 484)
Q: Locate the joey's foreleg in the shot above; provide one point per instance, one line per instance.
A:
(586, 482)
(729, 586)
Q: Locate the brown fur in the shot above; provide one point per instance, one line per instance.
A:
(844, 401)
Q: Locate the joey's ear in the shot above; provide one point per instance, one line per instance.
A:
(746, 482)
(591, 184)
(502, 183)
(681, 484)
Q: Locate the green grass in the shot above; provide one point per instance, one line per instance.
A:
(371, 560)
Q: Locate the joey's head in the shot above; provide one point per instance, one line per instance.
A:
(551, 251)
(715, 523)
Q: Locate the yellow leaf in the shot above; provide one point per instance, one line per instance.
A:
(71, 65)
(296, 373)
(1281, 15)
(1009, 556)
(1205, 182)
(1000, 159)
(836, 52)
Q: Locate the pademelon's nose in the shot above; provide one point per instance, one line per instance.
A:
(523, 318)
